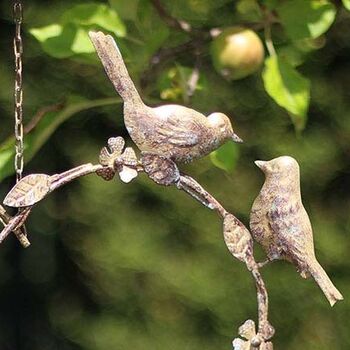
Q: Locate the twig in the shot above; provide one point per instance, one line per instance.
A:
(21, 233)
(170, 20)
(169, 53)
(268, 40)
(15, 223)
(164, 172)
(269, 19)
(264, 327)
(40, 114)
(59, 180)
(193, 81)
(238, 239)
(240, 244)
(194, 189)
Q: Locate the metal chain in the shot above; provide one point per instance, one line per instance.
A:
(18, 94)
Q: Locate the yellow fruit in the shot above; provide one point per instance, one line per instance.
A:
(237, 52)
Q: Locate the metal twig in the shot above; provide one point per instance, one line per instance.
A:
(194, 189)
(16, 223)
(238, 237)
(59, 180)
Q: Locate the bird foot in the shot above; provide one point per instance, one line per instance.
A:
(164, 171)
(161, 170)
(264, 263)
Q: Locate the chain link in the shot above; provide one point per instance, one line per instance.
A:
(18, 93)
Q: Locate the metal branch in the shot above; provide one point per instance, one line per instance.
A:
(59, 180)
(194, 189)
(238, 239)
(265, 329)
(16, 223)
(164, 172)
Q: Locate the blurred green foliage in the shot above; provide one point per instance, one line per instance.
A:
(142, 267)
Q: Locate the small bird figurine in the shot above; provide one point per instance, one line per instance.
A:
(280, 223)
(172, 131)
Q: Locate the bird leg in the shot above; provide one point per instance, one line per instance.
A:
(264, 263)
(163, 171)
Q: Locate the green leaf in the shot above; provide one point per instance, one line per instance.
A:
(126, 12)
(70, 37)
(95, 15)
(271, 4)
(194, 10)
(150, 34)
(292, 55)
(249, 10)
(173, 83)
(288, 88)
(306, 18)
(225, 157)
(64, 41)
(346, 4)
(44, 33)
(42, 132)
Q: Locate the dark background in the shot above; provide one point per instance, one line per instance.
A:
(137, 266)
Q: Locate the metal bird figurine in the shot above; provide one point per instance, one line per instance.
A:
(280, 223)
(172, 131)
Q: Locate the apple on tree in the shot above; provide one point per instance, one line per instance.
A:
(237, 52)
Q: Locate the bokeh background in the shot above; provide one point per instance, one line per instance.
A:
(137, 266)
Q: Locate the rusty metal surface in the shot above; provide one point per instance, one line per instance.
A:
(280, 223)
(28, 191)
(171, 131)
(18, 93)
(161, 170)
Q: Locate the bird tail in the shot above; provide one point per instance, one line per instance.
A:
(114, 66)
(324, 282)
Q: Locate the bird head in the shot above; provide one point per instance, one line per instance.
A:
(280, 165)
(221, 123)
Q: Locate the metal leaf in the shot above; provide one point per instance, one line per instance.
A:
(116, 144)
(247, 330)
(237, 238)
(30, 190)
(127, 174)
(104, 156)
(109, 154)
(240, 344)
(129, 157)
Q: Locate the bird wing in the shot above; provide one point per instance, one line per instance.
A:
(180, 127)
(292, 230)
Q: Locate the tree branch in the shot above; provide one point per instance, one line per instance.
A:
(170, 20)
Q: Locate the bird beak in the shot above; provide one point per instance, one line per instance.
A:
(260, 164)
(236, 138)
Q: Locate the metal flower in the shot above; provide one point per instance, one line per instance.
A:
(253, 340)
(114, 161)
